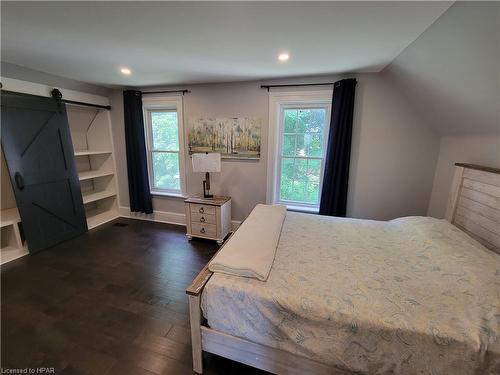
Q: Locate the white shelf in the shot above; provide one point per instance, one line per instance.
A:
(97, 195)
(87, 175)
(9, 253)
(12, 244)
(91, 152)
(98, 217)
(9, 217)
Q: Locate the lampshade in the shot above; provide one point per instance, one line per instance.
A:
(206, 162)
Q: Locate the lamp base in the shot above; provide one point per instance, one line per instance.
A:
(206, 189)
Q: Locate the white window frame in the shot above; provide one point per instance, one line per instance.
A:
(278, 102)
(167, 103)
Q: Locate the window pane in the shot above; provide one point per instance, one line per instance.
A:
(290, 120)
(315, 145)
(289, 145)
(166, 170)
(165, 131)
(286, 185)
(301, 145)
(303, 120)
(313, 176)
(300, 180)
(316, 120)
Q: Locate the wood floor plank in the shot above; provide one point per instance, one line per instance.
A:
(111, 301)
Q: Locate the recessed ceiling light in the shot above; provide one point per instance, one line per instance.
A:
(283, 56)
(126, 71)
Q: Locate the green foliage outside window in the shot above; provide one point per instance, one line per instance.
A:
(165, 131)
(302, 152)
(166, 170)
(165, 153)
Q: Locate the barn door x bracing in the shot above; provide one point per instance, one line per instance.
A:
(37, 145)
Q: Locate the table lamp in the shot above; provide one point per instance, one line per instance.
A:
(206, 162)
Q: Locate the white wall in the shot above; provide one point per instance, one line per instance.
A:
(473, 149)
(244, 181)
(393, 154)
(35, 76)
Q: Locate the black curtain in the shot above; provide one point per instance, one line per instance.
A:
(137, 165)
(338, 153)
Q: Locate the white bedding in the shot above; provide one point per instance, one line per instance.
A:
(237, 258)
(412, 296)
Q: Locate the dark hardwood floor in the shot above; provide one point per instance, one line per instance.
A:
(109, 302)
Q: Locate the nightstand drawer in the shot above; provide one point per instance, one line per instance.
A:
(208, 230)
(202, 209)
(203, 218)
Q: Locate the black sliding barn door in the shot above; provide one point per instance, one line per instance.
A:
(37, 146)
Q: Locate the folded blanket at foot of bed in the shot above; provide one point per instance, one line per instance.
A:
(250, 251)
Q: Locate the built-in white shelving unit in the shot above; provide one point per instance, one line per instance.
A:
(13, 246)
(93, 145)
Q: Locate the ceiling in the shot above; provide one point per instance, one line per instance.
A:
(194, 42)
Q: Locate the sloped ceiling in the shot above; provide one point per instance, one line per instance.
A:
(451, 73)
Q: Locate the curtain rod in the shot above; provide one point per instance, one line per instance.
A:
(166, 92)
(297, 85)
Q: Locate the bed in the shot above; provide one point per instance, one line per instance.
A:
(411, 295)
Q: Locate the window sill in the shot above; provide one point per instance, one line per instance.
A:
(169, 195)
(307, 210)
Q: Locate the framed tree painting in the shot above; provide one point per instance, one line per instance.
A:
(234, 138)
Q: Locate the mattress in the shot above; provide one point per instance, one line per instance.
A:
(413, 296)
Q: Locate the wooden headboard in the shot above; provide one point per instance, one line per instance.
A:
(474, 203)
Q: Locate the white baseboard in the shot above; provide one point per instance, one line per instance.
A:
(165, 217)
(158, 216)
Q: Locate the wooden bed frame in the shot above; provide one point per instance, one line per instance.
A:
(474, 203)
(473, 206)
(256, 355)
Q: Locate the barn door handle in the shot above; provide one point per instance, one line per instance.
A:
(19, 181)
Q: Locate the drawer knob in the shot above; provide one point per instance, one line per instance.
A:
(201, 210)
(202, 219)
(202, 230)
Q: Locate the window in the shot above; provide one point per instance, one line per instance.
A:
(301, 155)
(301, 124)
(163, 123)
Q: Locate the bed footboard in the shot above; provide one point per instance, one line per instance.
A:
(195, 316)
(237, 349)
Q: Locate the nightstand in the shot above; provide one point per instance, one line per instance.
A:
(208, 217)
